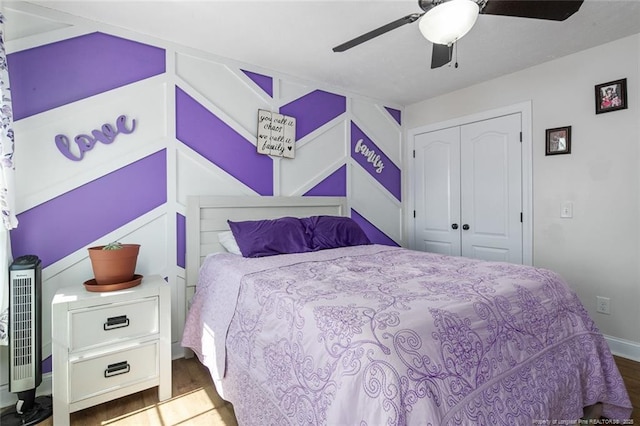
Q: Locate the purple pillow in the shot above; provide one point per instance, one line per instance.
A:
(334, 231)
(259, 238)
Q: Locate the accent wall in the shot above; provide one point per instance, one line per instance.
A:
(114, 130)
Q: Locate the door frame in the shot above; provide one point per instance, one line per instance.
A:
(524, 108)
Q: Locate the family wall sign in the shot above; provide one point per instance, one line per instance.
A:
(82, 143)
(370, 154)
(276, 134)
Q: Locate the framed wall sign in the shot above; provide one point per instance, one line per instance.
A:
(276, 134)
(611, 96)
(558, 140)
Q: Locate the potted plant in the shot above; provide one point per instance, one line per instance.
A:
(114, 263)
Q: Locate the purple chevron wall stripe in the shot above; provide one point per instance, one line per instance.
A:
(334, 185)
(47, 365)
(396, 114)
(374, 161)
(181, 238)
(375, 235)
(314, 110)
(62, 225)
(263, 81)
(215, 140)
(46, 77)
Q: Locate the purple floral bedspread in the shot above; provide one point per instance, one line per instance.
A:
(377, 335)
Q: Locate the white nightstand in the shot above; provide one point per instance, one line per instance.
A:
(108, 345)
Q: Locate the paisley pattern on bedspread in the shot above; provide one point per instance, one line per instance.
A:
(400, 337)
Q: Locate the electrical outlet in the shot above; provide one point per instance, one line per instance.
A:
(603, 305)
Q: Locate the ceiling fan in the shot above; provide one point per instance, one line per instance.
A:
(443, 22)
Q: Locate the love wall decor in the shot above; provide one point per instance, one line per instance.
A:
(276, 134)
(82, 143)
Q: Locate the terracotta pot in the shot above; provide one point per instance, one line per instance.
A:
(114, 266)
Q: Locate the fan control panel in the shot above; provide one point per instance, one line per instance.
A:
(28, 260)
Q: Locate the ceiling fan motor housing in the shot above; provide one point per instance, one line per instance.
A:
(427, 5)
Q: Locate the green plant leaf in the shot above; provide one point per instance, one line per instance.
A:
(116, 245)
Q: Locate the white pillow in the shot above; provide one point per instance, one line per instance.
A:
(229, 242)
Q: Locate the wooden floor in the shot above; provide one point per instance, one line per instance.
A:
(630, 371)
(196, 402)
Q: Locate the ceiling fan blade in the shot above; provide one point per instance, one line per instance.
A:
(378, 31)
(554, 10)
(441, 55)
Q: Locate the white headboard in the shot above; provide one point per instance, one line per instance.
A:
(207, 216)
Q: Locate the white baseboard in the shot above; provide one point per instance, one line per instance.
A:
(177, 351)
(624, 348)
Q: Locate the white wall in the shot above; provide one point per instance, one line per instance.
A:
(598, 251)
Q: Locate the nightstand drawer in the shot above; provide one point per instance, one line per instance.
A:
(90, 377)
(110, 344)
(115, 322)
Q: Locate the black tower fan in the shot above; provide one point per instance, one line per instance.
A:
(25, 343)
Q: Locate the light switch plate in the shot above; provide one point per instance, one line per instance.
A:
(566, 210)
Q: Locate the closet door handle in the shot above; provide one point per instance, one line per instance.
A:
(454, 226)
(465, 227)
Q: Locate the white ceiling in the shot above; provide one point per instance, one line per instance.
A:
(295, 37)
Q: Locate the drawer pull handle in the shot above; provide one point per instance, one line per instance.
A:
(117, 368)
(116, 322)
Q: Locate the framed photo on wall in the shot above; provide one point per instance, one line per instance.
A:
(558, 140)
(611, 96)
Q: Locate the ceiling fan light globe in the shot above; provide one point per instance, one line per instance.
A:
(449, 21)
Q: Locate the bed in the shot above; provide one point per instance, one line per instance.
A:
(369, 334)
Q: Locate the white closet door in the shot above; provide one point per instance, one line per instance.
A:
(491, 189)
(437, 191)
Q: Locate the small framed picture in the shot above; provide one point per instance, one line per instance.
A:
(559, 141)
(611, 96)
